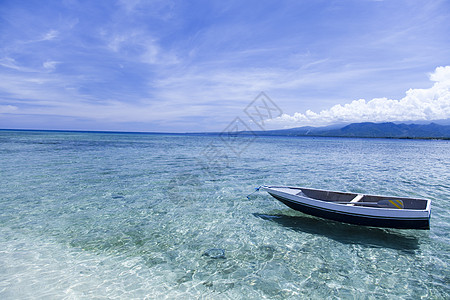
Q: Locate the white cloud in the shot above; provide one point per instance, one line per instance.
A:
(7, 109)
(11, 63)
(140, 46)
(50, 65)
(52, 34)
(417, 105)
(8, 62)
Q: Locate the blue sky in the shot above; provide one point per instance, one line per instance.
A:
(177, 66)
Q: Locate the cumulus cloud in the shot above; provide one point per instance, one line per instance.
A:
(417, 105)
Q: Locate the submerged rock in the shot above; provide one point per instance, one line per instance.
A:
(214, 253)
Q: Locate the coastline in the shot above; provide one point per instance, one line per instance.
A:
(234, 134)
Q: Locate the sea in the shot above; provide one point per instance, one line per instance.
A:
(92, 215)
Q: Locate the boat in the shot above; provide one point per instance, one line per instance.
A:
(354, 208)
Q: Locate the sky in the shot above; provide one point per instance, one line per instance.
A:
(189, 66)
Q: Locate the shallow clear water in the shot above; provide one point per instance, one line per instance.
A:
(92, 215)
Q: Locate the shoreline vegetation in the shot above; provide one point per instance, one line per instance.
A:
(387, 130)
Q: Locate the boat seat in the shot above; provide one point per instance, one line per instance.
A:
(356, 199)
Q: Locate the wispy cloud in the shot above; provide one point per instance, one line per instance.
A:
(7, 109)
(139, 46)
(50, 35)
(418, 104)
(50, 65)
(10, 63)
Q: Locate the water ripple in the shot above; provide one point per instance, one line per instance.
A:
(89, 215)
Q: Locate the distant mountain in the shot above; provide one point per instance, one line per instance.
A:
(370, 130)
(440, 122)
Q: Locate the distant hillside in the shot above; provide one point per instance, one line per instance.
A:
(370, 130)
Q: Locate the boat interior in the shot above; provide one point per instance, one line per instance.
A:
(353, 198)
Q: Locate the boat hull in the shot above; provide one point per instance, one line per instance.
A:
(352, 218)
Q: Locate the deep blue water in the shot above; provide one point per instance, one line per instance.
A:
(92, 215)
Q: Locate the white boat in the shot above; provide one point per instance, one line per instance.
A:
(353, 208)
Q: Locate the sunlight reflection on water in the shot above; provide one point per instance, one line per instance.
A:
(87, 215)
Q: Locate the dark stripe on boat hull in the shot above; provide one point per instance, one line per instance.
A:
(354, 219)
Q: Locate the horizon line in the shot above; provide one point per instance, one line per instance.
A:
(213, 132)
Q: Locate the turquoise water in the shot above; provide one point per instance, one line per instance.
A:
(96, 215)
